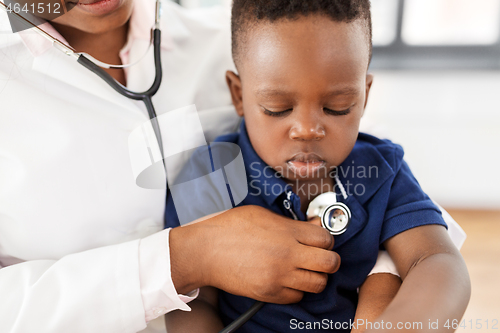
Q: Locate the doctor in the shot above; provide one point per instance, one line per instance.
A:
(81, 246)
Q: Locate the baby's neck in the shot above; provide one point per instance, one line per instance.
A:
(308, 189)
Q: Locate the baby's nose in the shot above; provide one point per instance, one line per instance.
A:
(307, 130)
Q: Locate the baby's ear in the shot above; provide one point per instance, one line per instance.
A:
(369, 81)
(234, 84)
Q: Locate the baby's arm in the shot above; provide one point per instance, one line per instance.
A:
(203, 317)
(378, 290)
(383, 283)
(436, 283)
(375, 294)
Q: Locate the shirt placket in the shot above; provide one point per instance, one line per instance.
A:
(291, 203)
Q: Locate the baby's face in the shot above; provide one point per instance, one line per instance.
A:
(303, 91)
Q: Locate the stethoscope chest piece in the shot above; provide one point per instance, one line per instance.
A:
(335, 216)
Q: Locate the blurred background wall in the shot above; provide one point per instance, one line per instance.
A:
(449, 125)
(436, 88)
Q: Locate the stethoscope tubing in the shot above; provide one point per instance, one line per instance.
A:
(238, 322)
(146, 96)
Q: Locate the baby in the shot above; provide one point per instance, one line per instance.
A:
(302, 88)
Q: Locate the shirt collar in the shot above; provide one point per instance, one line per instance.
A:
(365, 170)
(141, 22)
(38, 45)
(261, 176)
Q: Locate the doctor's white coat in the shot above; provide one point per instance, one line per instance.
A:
(70, 211)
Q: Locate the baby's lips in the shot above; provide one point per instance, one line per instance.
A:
(306, 158)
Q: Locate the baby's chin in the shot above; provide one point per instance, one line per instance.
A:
(310, 186)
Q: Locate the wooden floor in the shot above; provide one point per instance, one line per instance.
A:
(481, 252)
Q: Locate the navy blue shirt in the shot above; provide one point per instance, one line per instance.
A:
(385, 200)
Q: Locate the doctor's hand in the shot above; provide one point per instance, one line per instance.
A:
(252, 252)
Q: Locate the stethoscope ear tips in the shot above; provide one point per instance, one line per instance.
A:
(335, 216)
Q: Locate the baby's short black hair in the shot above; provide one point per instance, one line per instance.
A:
(245, 12)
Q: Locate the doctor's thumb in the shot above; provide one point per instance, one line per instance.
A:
(316, 221)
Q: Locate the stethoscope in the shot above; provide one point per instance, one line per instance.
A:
(335, 216)
(97, 66)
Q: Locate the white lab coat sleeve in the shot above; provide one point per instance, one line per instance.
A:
(92, 291)
(457, 234)
(384, 264)
(159, 295)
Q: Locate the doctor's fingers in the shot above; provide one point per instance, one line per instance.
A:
(312, 235)
(307, 281)
(317, 260)
(288, 296)
(315, 221)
